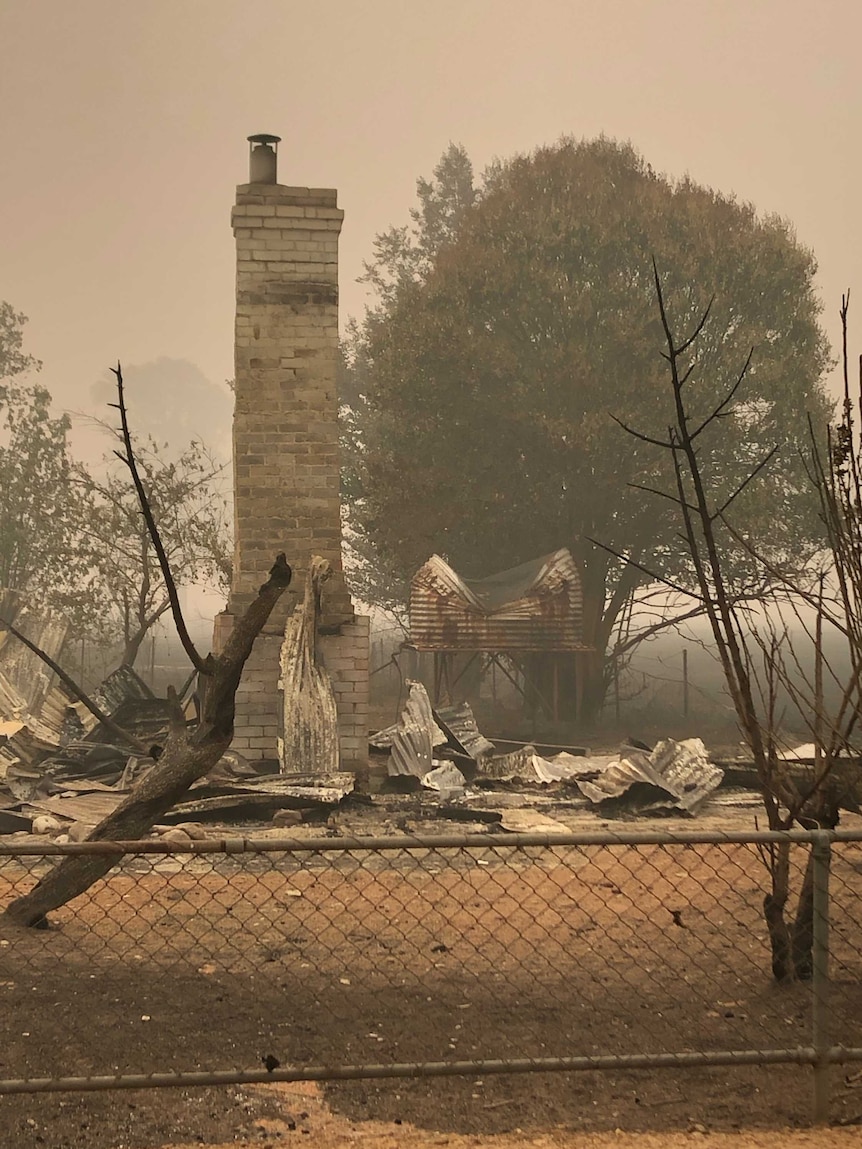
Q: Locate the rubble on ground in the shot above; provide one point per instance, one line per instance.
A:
(440, 750)
(61, 772)
(673, 776)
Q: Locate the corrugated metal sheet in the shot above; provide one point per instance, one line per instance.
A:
(25, 680)
(30, 728)
(383, 739)
(674, 776)
(460, 727)
(537, 606)
(66, 716)
(122, 685)
(414, 734)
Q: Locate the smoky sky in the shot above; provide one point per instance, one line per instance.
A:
(123, 125)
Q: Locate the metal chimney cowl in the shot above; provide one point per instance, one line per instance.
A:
(263, 158)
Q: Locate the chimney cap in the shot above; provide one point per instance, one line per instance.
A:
(264, 138)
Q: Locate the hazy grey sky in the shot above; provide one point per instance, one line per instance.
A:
(123, 125)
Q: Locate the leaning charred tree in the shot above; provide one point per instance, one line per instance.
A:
(187, 756)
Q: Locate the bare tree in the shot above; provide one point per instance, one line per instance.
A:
(187, 755)
(762, 665)
(114, 541)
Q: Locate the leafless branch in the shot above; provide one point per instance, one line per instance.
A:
(203, 666)
(718, 411)
(639, 434)
(748, 479)
(657, 627)
(655, 491)
(651, 574)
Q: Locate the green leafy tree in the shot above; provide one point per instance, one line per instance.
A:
(403, 255)
(505, 343)
(13, 359)
(41, 506)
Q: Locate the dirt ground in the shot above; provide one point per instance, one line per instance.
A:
(213, 963)
(303, 1109)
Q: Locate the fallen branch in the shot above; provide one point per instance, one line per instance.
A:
(75, 690)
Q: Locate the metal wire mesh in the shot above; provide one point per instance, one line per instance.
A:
(343, 953)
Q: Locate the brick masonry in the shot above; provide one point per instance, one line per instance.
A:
(285, 449)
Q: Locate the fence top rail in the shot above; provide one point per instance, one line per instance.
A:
(407, 842)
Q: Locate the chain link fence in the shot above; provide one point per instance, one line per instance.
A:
(244, 960)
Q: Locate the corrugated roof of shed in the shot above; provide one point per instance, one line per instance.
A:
(534, 606)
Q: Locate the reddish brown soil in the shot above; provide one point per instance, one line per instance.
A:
(307, 1119)
(206, 965)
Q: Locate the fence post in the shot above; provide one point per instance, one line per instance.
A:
(685, 682)
(821, 857)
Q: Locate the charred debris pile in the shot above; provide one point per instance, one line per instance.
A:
(62, 771)
(441, 750)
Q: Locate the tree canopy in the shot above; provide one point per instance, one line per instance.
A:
(40, 505)
(503, 346)
(72, 539)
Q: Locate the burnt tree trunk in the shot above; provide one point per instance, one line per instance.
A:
(774, 905)
(186, 758)
(803, 926)
(132, 648)
(595, 685)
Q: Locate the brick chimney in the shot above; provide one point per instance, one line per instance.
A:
(285, 440)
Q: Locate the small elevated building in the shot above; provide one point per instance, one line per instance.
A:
(527, 621)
